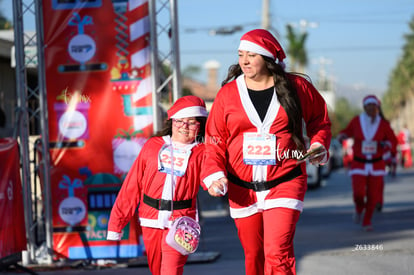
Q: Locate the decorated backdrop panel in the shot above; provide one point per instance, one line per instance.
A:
(100, 114)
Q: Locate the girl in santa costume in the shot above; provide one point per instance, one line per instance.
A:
(158, 186)
(372, 136)
(254, 137)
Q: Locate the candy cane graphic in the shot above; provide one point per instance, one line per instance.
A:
(140, 60)
(133, 26)
(120, 8)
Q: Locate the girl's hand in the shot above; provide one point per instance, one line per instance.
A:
(219, 187)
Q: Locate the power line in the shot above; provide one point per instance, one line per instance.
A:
(357, 48)
(362, 21)
(332, 49)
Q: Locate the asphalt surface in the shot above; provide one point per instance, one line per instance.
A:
(326, 241)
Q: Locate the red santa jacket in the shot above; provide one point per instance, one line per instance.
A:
(404, 140)
(233, 115)
(371, 139)
(146, 179)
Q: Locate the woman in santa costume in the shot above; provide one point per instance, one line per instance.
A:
(404, 145)
(254, 137)
(372, 136)
(158, 186)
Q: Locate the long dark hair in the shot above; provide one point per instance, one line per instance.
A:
(381, 113)
(167, 129)
(286, 94)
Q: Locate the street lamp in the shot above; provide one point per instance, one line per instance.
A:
(218, 31)
(304, 24)
(225, 30)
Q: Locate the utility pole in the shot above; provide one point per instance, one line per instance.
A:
(324, 82)
(265, 15)
(266, 18)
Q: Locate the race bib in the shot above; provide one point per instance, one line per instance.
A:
(259, 149)
(369, 147)
(178, 163)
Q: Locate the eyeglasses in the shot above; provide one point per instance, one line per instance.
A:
(193, 125)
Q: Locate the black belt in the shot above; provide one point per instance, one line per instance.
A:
(367, 160)
(265, 185)
(161, 204)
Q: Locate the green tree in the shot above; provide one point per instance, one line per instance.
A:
(190, 71)
(296, 49)
(401, 81)
(5, 24)
(343, 114)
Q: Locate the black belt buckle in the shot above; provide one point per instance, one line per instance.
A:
(258, 185)
(164, 205)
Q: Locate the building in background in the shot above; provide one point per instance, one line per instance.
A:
(8, 96)
(208, 90)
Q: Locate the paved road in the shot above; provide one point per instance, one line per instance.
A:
(326, 242)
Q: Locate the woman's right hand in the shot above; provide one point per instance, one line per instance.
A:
(219, 187)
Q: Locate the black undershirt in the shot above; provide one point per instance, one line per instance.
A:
(261, 100)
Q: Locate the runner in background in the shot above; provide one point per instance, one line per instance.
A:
(404, 146)
(372, 136)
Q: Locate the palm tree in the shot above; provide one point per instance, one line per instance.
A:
(296, 49)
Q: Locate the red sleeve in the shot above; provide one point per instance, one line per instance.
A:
(200, 160)
(348, 132)
(314, 112)
(130, 193)
(392, 138)
(216, 136)
(400, 137)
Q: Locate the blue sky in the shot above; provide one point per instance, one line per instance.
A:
(362, 39)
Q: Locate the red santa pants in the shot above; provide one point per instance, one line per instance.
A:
(162, 258)
(406, 158)
(368, 191)
(267, 240)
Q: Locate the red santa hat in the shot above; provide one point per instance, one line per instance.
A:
(188, 106)
(371, 99)
(262, 42)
